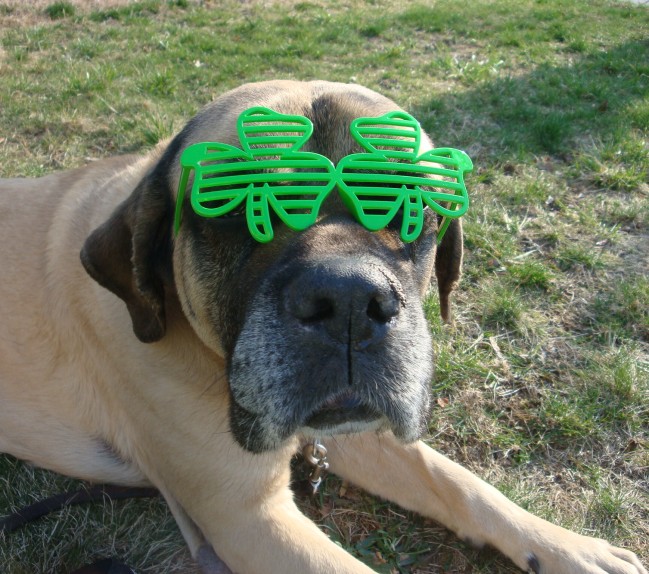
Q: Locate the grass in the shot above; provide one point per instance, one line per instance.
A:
(542, 385)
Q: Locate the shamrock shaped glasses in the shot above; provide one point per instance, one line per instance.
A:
(270, 171)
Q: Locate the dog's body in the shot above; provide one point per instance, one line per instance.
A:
(228, 353)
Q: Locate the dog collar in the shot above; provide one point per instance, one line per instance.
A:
(270, 172)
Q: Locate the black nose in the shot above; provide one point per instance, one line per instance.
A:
(352, 302)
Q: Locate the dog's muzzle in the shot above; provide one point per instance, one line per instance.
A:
(331, 346)
(343, 303)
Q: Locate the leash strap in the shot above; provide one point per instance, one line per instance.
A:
(60, 501)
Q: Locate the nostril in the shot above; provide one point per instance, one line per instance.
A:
(316, 311)
(382, 310)
(343, 301)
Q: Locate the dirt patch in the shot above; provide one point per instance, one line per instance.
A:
(21, 13)
(38, 6)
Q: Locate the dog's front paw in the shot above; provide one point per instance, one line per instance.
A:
(576, 554)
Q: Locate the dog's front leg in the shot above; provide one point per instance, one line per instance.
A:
(420, 479)
(243, 507)
(275, 537)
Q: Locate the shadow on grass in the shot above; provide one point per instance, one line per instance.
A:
(550, 110)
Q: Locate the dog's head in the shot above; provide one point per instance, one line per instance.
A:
(322, 329)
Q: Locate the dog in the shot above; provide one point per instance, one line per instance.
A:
(200, 361)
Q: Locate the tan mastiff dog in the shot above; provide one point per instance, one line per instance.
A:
(200, 362)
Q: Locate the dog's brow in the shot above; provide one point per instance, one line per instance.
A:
(271, 172)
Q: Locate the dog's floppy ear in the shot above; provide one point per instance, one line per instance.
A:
(128, 253)
(448, 266)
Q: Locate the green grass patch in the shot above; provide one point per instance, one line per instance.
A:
(60, 10)
(621, 311)
(531, 274)
(569, 257)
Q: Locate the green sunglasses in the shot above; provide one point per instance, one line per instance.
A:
(270, 172)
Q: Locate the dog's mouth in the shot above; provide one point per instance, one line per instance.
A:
(342, 411)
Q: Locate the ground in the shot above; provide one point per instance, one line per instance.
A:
(542, 383)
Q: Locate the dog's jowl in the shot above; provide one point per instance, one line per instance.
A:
(144, 343)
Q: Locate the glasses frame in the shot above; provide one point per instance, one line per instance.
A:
(271, 172)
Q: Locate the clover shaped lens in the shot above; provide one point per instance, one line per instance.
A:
(391, 177)
(268, 172)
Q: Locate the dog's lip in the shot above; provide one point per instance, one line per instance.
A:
(342, 408)
(346, 400)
